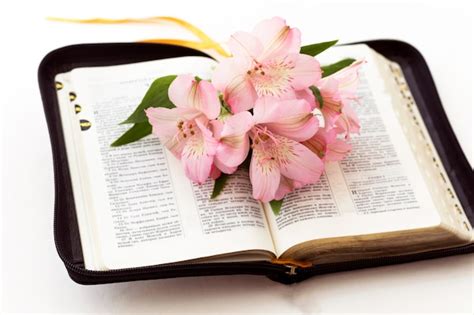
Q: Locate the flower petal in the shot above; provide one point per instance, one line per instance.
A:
(289, 118)
(245, 44)
(164, 122)
(332, 107)
(231, 79)
(304, 94)
(179, 90)
(278, 39)
(327, 146)
(306, 71)
(318, 143)
(198, 155)
(286, 186)
(337, 150)
(234, 142)
(300, 163)
(206, 99)
(232, 151)
(216, 127)
(348, 122)
(186, 92)
(265, 109)
(237, 124)
(215, 172)
(264, 176)
(348, 79)
(307, 95)
(224, 168)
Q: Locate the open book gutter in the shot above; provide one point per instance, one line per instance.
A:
(65, 226)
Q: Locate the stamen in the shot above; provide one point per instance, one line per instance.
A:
(277, 153)
(264, 137)
(272, 78)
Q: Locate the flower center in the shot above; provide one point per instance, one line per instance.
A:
(190, 134)
(186, 129)
(261, 135)
(269, 149)
(272, 78)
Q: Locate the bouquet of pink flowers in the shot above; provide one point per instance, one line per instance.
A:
(270, 107)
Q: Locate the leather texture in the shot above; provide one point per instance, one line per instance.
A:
(66, 233)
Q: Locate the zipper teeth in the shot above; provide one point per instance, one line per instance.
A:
(172, 266)
(264, 266)
(281, 269)
(278, 268)
(144, 269)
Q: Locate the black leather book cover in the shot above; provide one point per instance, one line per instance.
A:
(66, 233)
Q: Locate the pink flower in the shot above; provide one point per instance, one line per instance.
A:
(327, 146)
(184, 130)
(279, 162)
(338, 91)
(265, 62)
(233, 138)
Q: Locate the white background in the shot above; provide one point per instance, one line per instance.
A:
(33, 277)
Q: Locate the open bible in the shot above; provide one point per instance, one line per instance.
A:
(135, 207)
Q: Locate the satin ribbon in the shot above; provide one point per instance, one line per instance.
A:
(204, 43)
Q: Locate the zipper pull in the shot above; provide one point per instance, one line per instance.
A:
(292, 270)
(291, 265)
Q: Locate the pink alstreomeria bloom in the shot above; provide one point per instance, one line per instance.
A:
(266, 62)
(184, 130)
(328, 146)
(279, 162)
(338, 91)
(234, 144)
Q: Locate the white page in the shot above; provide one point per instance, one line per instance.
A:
(377, 188)
(146, 211)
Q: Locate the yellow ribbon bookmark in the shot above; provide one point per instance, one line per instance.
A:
(205, 42)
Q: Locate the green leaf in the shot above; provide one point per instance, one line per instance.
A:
(317, 95)
(276, 206)
(219, 184)
(316, 49)
(225, 108)
(156, 96)
(335, 67)
(135, 133)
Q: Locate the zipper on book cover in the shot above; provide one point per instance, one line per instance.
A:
(289, 270)
(153, 268)
(168, 267)
(144, 269)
